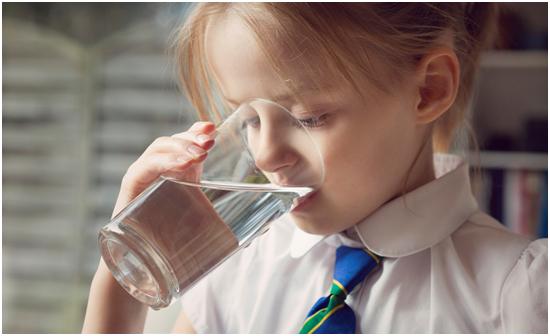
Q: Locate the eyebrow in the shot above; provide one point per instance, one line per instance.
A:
(281, 97)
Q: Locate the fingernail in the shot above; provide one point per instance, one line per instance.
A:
(195, 150)
(182, 159)
(203, 138)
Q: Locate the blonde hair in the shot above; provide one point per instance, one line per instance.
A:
(345, 39)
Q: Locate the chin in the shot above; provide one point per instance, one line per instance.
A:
(316, 227)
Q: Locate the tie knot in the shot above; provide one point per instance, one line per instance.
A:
(337, 289)
(351, 267)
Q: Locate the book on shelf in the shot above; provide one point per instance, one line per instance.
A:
(516, 197)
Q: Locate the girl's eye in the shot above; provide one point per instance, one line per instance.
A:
(313, 122)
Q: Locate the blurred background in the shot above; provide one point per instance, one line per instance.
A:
(87, 87)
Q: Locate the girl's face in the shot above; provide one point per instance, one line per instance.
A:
(367, 146)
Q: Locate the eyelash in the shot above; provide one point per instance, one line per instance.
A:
(312, 122)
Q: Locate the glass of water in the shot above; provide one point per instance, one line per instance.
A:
(264, 164)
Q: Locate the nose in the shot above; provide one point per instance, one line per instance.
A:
(272, 153)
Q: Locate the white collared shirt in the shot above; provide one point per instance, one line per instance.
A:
(448, 268)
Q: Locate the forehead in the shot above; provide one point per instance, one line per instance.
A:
(241, 67)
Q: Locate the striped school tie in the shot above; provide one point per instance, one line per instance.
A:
(330, 314)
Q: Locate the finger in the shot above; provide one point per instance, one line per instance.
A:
(149, 168)
(178, 144)
(204, 140)
(203, 127)
(202, 131)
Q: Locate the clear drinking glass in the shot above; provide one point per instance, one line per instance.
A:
(263, 163)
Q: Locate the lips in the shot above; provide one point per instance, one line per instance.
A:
(300, 202)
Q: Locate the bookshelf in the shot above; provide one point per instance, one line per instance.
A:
(513, 59)
(510, 160)
(510, 120)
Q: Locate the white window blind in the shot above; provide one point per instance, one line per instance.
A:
(74, 118)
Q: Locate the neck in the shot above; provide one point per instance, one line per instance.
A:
(422, 170)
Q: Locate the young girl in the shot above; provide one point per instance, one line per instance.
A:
(393, 241)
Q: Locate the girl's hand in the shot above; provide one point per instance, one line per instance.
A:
(110, 308)
(175, 156)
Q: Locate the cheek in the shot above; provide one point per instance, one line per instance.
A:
(351, 144)
(347, 163)
(349, 170)
(365, 155)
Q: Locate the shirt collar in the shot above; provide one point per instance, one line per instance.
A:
(410, 223)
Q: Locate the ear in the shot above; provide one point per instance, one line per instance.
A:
(437, 74)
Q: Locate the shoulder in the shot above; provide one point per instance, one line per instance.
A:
(483, 235)
(487, 247)
(514, 265)
(524, 298)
